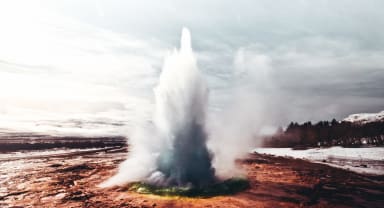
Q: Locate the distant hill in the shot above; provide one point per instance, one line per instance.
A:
(363, 118)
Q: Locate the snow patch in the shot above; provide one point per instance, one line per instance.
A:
(360, 160)
(365, 117)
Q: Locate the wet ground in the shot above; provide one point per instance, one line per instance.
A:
(70, 180)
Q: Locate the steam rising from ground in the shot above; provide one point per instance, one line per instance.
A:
(172, 150)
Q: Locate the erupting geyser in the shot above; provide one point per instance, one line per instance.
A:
(181, 100)
(175, 152)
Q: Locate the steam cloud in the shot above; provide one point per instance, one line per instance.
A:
(172, 150)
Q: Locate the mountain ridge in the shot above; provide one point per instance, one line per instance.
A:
(364, 118)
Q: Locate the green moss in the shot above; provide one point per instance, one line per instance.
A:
(226, 187)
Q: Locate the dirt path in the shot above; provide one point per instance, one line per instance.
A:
(275, 182)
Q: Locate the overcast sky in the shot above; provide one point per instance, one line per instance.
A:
(293, 60)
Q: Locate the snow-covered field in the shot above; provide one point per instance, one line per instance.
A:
(361, 160)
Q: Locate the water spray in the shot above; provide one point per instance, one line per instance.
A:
(172, 151)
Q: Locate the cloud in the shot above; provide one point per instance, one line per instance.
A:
(298, 60)
(320, 74)
(56, 66)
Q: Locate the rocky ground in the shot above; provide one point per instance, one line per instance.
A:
(71, 181)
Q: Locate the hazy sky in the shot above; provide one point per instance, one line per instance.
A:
(300, 60)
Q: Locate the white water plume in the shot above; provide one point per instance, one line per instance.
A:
(172, 150)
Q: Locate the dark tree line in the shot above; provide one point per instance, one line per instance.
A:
(325, 133)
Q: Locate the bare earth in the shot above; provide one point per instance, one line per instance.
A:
(71, 181)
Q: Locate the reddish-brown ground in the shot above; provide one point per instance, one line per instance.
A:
(275, 182)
